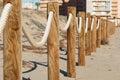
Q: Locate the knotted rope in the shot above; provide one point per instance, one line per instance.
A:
(4, 16)
(27, 32)
(98, 24)
(86, 28)
(79, 26)
(64, 29)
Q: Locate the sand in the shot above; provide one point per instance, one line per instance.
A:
(102, 65)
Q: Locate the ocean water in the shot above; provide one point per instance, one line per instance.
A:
(24, 1)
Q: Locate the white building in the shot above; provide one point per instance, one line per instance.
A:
(89, 6)
(99, 7)
(118, 8)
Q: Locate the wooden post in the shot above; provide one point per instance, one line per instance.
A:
(107, 28)
(104, 41)
(104, 32)
(53, 44)
(93, 35)
(99, 34)
(71, 71)
(106, 24)
(88, 36)
(81, 49)
(12, 42)
(102, 25)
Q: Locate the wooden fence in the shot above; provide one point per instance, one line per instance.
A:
(87, 42)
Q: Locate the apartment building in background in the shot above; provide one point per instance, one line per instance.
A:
(89, 6)
(104, 7)
(118, 8)
(43, 4)
(115, 8)
(99, 7)
(63, 4)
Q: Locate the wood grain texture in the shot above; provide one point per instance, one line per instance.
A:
(81, 49)
(53, 44)
(104, 41)
(102, 27)
(104, 37)
(93, 35)
(71, 70)
(107, 29)
(88, 37)
(12, 42)
(98, 43)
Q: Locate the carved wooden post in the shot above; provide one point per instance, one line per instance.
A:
(88, 36)
(53, 44)
(12, 42)
(81, 49)
(71, 71)
(99, 34)
(93, 35)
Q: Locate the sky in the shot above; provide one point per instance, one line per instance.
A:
(30, 1)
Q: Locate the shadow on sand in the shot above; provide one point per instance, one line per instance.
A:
(42, 64)
(35, 66)
(26, 78)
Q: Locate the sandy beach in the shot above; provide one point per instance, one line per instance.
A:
(104, 64)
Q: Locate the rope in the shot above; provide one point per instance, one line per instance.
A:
(86, 29)
(45, 36)
(64, 29)
(98, 24)
(4, 16)
(79, 26)
(92, 24)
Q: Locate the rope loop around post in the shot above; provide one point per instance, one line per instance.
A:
(98, 24)
(4, 16)
(79, 26)
(86, 28)
(64, 29)
(26, 31)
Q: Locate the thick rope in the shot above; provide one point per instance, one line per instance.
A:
(86, 28)
(34, 43)
(4, 16)
(64, 29)
(98, 24)
(92, 24)
(79, 26)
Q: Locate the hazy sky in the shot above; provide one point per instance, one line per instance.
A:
(30, 0)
